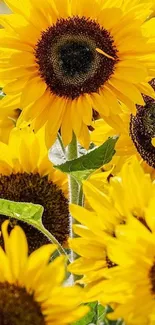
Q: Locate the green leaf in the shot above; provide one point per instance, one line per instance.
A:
(102, 311)
(21, 211)
(29, 213)
(83, 166)
(90, 317)
(97, 316)
(82, 175)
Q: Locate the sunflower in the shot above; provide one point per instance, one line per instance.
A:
(31, 287)
(79, 56)
(136, 133)
(131, 284)
(130, 194)
(27, 175)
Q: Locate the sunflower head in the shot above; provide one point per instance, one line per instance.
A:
(27, 175)
(80, 57)
(135, 258)
(68, 60)
(30, 287)
(142, 129)
(136, 133)
(28, 310)
(128, 197)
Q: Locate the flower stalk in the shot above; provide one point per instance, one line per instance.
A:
(73, 184)
(74, 191)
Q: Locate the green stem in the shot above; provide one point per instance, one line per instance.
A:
(38, 225)
(73, 191)
(81, 196)
(61, 144)
(51, 238)
(73, 185)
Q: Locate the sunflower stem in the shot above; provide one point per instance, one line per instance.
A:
(73, 184)
(73, 192)
(51, 238)
(81, 196)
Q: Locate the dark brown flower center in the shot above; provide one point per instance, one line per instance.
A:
(142, 130)
(35, 237)
(68, 60)
(17, 307)
(23, 187)
(152, 278)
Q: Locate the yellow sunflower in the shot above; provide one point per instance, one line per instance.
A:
(80, 56)
(131, 284)
(27, 175)
(136, 133)
(130, 194)
(31, 287)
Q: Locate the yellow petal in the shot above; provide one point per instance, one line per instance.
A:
(33, 90)
(153, 141)
(16, 249)
(128, 90)
(66, 127)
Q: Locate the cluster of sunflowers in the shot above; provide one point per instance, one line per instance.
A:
(77, 162)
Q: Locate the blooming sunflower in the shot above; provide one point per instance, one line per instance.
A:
(79, 56)
(131, 284)
(27, 175)
(130, 194)
(31, 287)
(136, 133)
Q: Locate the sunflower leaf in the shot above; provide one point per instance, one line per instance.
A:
(29, 213)
(83, 166)
(20, 210)
(97, 315)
